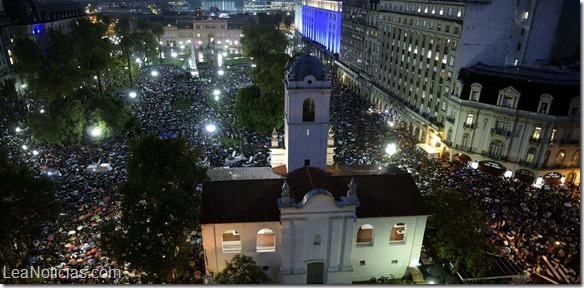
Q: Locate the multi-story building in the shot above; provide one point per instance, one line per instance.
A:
(33, 19)
(412, 52)
(525, 118)
(319, 26)
(222, 5)
(267, 6)
(207, 32)
(4, 58)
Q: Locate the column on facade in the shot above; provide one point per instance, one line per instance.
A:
(288, 249)
(348, 226)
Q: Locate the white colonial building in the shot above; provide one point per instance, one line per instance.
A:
(316, 223)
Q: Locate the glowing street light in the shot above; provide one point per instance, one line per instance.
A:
(211, 128)
(508, 174)
(173, 54)
(391, 149)
(24, 147)
(216, 98)
(132, 94)
(221, 72)
(154, 73)
(42, 111)
(474, 164)
(17, 129)
(35, 152)
(216, 92)
(96, 131)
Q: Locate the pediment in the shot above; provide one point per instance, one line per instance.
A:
(509, 91)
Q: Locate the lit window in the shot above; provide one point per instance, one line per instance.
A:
(231, 242)
(469, 119)
(536, 133)
(365, 235)
(398, 233)
(265, 241)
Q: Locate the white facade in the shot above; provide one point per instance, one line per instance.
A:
(215, 256)
(385, 257)
(321, 230)
(308, 135)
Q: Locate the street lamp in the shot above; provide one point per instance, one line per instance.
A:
(221, 72)
(474, 165)
(17, 129)
(132, 94)
(216, 92)
(154, 73)
(508, 174)
(24, 147)
(35, 152)
(96, 132)
(391, 149)
(211, 128)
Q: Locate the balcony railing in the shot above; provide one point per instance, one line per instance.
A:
(467, 125)
(500, 132)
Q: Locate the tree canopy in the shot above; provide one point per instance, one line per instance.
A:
(456, 230)
(28, 202)
(260, 108)
(160, 208)
(66, 118)
(242, 270)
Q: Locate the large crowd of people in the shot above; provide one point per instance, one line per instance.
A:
(524, 221)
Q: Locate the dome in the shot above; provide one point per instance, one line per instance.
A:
(306, 65)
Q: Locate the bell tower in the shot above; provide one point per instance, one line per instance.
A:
(306, 114)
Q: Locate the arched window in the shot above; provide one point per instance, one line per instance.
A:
(316, 239)
(576, 159)
(308, 110)
(231, 242)
(465, 140)
(530, 157)
(398, 233)
(496, 148)
(365, 235)
(560, 157)
(266, 241)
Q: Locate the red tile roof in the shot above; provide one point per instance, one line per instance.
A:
(382, 194)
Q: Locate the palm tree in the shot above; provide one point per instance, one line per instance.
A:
(158, 30)
(126, 44)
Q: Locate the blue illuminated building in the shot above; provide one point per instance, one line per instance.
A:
(321, 23)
